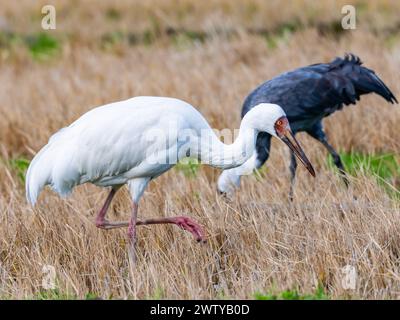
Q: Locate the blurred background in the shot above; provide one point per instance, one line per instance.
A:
(211, 54)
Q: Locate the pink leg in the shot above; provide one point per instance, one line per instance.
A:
(184, 222)
(101, 221)
(132, 232)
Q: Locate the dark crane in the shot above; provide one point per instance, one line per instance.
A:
(307, 95)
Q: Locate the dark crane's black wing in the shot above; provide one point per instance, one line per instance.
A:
(308, 94)
(363, 79)
(311, 93)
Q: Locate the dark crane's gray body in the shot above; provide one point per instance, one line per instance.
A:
(309, 94)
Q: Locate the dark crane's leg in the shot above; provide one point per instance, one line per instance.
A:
(263, 146)
(317, 133)
(292, 167)
(337, 161)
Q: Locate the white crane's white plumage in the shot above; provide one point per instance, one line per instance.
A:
(110, 146)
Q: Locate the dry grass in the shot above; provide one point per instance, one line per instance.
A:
(257, 242)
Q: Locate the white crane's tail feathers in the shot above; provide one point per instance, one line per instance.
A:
(45, 168)
(38, 174)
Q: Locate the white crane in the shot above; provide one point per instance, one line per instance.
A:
(136, 140)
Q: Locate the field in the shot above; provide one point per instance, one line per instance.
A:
(211, 54)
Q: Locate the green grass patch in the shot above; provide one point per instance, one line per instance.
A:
(8, 39)
(20, 166)
(157, 294)
(91, 296)
(42, 46)
(382, 165)
(53, 294)
(385, 167)
(318, 294)
(281, 34)
(109, 40)
(186, 38)
(188, 166)
(113, 14)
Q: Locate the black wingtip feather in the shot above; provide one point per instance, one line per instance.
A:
(352, 58)
(349, 58)
(382, 89)
(365, 82)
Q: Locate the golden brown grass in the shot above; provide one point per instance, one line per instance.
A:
(257, 241)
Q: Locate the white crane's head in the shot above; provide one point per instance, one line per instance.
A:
(270, 118)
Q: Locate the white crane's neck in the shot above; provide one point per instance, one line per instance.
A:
(225, 156)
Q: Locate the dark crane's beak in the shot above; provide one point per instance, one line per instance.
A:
(289, 139)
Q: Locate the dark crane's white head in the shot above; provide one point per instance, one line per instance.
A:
(270, 118)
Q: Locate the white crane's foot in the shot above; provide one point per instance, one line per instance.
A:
(190, 225)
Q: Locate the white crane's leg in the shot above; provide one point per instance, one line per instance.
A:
(184, 222)
(101, 221)
(132, 233)
(137, 187)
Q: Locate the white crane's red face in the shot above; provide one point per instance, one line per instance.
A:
(283, 131)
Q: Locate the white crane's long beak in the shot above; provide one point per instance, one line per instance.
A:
(297, 150)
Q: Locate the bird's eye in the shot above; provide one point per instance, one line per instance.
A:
(279, 123)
